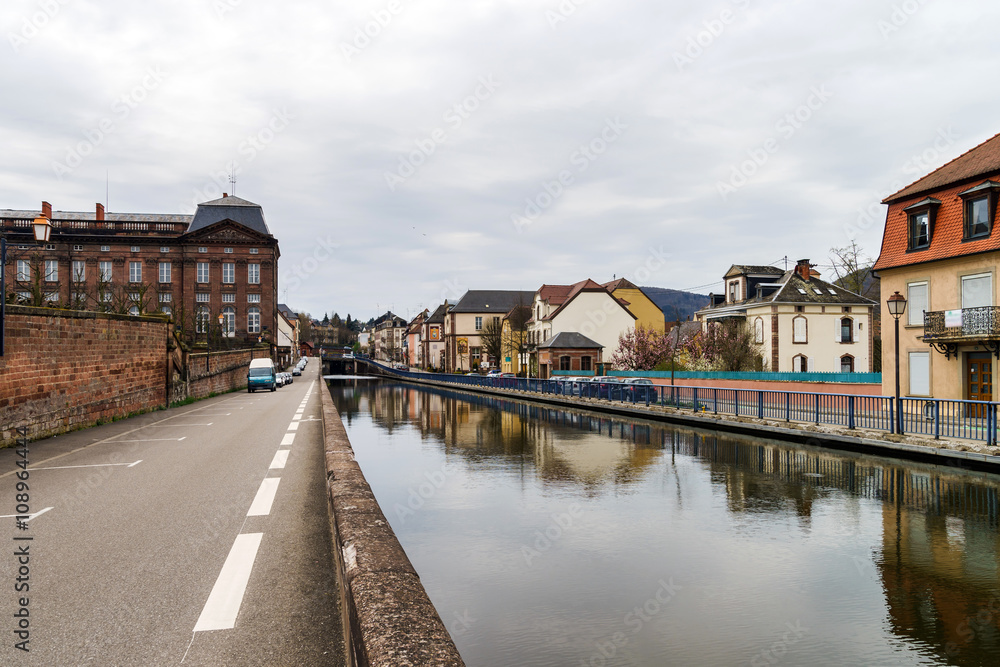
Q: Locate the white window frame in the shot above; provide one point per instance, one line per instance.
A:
(79, 272)
(105, 271)
(165, 271)
(253, 298)
(228, 273)
(229, 322)
(805, 330)
(52, 270)
(253, 320)
(253, 273)
(23, 272)
(203, 273)
(202, 297)
(135, 272)
(913, 317)
(919, 373)
(229, 298)
(967, 280)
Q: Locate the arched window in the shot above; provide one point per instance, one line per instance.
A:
(229, 321)
(800, 330)
(758, 330)
(253, 319)
(846, 330)
(201, 319)
(847, 364)
(800, 363)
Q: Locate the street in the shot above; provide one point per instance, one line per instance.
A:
(197, 535)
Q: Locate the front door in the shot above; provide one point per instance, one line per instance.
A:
(979, 383)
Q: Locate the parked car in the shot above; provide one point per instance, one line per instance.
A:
(288, 378)
(609, 387)
(494, 373)
(261, 375)
(297, 370)
(640, 389)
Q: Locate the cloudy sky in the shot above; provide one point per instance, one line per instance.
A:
(405, 151)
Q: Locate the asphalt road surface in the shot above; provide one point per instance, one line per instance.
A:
(197, 535)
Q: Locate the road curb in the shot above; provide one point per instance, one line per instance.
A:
(389, 620)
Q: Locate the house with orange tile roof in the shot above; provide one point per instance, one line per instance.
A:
(940, 250)
(586, 308)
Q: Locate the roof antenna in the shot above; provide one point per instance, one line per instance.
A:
(786, 262)
(232, 179)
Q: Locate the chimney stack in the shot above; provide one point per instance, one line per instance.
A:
(804, 270)
(225, 194)
(47, 210)
(100, 212)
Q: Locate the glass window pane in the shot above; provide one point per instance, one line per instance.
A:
(916, 297)
(977, 291)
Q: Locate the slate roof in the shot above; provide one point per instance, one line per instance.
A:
(238, 210)
(621, 283)
(571, 340)
(798, 291)
(492, 301)
(437, 317)
(13, 214)
(286, 311)
(744, 269)
(976, 162)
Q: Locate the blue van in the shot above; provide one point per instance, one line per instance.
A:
(261, 375)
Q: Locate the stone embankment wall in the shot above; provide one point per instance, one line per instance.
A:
(388, 618)
(64, 370)
(223, 371)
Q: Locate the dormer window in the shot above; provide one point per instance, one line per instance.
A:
(920, 217)
(734, 291)
(979, 204)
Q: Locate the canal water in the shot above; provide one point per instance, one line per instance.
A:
(553, 537)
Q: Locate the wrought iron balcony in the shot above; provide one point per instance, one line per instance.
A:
(960, 325)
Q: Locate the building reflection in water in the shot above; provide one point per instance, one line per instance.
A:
(938, 564)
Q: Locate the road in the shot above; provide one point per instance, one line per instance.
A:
(197, 535)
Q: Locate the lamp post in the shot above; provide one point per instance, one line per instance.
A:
(897, 306)
(42, 229)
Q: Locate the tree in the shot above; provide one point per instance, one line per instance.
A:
(305, 328)
(491, 338)
(326, 320)
(641, 349)
(516, 341)
(853, 268)
(725, 346)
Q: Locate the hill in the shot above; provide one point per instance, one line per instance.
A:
(685, 303)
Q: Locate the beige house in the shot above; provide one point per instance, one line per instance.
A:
(800, 322)
(940, 251)
(432, 339)
(464, 322)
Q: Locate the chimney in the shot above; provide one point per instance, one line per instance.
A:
(803, 269)
(47, 210)
(225, 194)
(100, 212)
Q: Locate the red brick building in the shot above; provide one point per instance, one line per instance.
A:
(222, 260)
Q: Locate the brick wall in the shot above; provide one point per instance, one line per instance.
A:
(64, 370)
(226, 370)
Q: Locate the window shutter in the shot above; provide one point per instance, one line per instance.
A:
(810, 366)
(857, 331)
(836, 323)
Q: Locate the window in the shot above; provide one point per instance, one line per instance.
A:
(253, 298)
(800, 309)
(920, 221)
(50, 246)
(52, 297)
(228, 272)
(104, 272)
(52, 270)
(847, 364)
(106, 297)
(479, 323)
(78, 248)
(977, 217)
(564, 363)
(165, 272)
(165, 297)
(135, 272)
(23, 270)
(585, 363)
(253, 320)
(229, 321)
(920, 373)
(133, 311)
(846, 326)
(202, 276)
(228, 251)
(800, 330)
(253, 274)
(734, 291)
(977, 291)
(105, 248)
(253, 251)
(229, 298)
(201, 320)
(801, 363)
(166, 310)
(79, 270)
(134, 297)
(135, 248)
(201, 297)
(758, 330)
(475, 352)
(202, 249)
(847, 309)
(164, 248)
(916, 297)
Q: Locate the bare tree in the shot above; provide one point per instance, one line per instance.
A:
(491, 338)
(516, 341)
(852, 267)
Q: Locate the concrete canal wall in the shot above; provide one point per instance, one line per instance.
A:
(389, 621)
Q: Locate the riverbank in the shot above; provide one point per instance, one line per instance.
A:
(966, 454)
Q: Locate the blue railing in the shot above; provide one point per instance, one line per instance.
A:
(852, 378)
(970, 420)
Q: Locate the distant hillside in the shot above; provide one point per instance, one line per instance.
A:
(685, 303)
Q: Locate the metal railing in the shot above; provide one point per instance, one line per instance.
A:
(936, 417)
(982, 321)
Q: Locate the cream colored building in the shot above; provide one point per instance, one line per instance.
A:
(464, 322)
(800, 322)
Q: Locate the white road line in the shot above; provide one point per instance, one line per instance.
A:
(153, 440)
(294, 426)
(95, 465)
(173, 425)
(280, 459)
(287, 440)
(223, 605)
(261, 505)
(30, 516)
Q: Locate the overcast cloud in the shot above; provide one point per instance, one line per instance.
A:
(405, 151)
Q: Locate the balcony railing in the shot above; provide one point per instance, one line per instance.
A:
(967, 323)
(102, 227)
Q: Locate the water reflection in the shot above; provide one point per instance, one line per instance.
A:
(885, 562)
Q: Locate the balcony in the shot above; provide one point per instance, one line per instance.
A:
(946, 329)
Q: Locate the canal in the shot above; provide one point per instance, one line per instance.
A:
(554, 537)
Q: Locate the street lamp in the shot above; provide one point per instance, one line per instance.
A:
(42, 229)
(897, 306)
